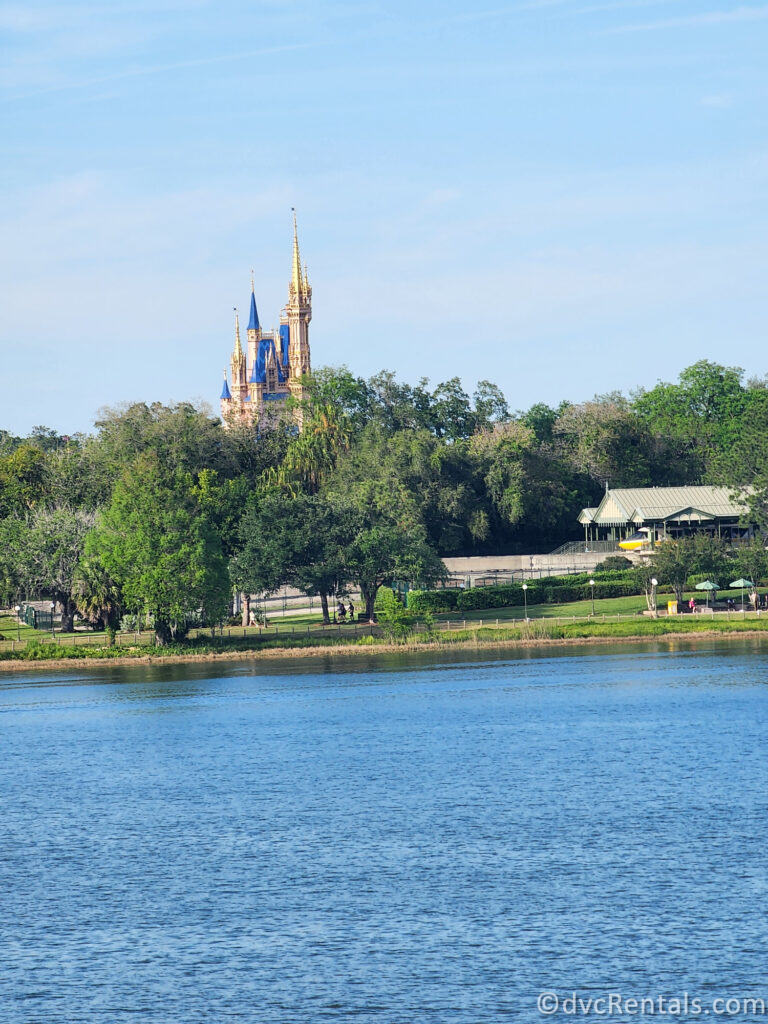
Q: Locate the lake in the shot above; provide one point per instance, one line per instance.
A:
(417, 838)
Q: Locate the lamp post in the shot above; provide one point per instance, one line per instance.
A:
(654, 584)
(525, 600)
(53, 609)
(592, 591)
(18, 622)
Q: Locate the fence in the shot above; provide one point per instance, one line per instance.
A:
(347, 630)
(584, 547)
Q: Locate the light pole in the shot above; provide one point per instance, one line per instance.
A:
(18, 622)
(592, 591)
(525, 600)
(53, 609)
(654, 584)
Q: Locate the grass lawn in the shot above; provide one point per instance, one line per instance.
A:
(606, 606)
(581, 609)
(11, 629)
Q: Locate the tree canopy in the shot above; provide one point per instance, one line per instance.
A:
(161, 510)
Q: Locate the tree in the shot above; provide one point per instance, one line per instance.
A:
(644, 575)
(392, 615)
(534, 492)
(50, 547)
(297, 541)
(390, 542)
(751, 560)
(675, 560)
(11, 540)
(605, 440)
(452, 414)
(699, 418)
(22, 479)
(490, 404)
(181, 436)
(312, 455)
(97, 596)
(156, 542)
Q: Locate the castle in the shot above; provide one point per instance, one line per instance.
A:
(271, 368)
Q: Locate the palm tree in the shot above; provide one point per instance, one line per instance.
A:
(97, 596)
(313, 454)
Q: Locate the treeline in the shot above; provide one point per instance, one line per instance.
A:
(163, 511)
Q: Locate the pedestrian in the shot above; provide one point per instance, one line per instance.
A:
(351, 610)
(692, 605)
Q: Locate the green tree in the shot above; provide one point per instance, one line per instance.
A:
(675, 560)
(751, 561)
(311, 456)
(392, 616)
(535, 493)
(490, 404)
(297, 541)
(22, 479)
(50, 547)
(606, 440)
(391, 541)
(699, 419)
(159, 546)
(97, 596)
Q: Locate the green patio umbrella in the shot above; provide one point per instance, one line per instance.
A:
(707, 585)
(742, 583)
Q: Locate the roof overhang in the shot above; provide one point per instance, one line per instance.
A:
(689, 515)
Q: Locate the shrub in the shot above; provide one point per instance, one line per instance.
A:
(422, 601)
(613, 562)
(392, 615)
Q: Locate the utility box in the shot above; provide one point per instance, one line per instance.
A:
(671, 607)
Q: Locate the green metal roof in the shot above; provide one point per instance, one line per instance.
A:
(657, 504)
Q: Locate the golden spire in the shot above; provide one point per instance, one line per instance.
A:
(253, 284)
(238, 346)
(296, 275)
(306, 278)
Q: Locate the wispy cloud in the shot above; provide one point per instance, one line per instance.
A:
(722, 17)
(157, 69)
(622, 5)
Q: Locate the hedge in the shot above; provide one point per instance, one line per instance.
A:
(548, 590)
(422, 601)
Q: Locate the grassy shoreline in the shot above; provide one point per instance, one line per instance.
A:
(538, 633)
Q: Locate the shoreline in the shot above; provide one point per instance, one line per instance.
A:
(282, 653)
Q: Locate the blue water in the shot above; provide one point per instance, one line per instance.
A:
(383, 841)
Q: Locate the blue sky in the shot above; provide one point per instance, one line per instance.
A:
(566, 197)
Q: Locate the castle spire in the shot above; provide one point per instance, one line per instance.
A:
(296, 275)
(253, 322)
(237, 362)
(238, 347)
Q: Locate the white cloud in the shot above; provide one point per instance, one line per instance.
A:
(722, 17)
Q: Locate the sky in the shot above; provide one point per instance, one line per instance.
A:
(566, 197)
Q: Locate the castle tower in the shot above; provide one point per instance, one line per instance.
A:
(237, 366)
(269, 370)
(298, 313)
(254, 327)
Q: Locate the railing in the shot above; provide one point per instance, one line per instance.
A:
(584, 547)
(352, 630)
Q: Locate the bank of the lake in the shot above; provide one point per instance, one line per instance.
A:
(538, 633)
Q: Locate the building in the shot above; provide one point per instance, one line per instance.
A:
(270, 368)
(663, 512)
